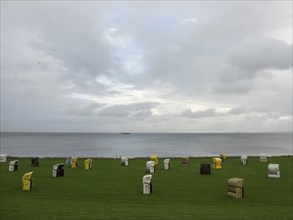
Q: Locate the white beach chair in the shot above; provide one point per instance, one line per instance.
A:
(273, 171)
(3, 158)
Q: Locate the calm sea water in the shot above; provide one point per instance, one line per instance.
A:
(141, 144)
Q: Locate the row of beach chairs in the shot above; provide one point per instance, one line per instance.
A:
(235, 185)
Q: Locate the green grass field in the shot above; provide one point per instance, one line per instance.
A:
(110, 191)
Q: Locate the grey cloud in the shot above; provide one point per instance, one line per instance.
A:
(134, 109)
(223, 58)
(85, 59)
(231, 22)
(237, 87)
(66, 32)
(256, 54)
(88, 110)
(238, 111)
(194, 52)
(118, 111)
(199, 114)
(249, 111)
(143, 114)
(169, 47)
(250, 61)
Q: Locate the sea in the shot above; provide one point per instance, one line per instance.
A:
(113, 145)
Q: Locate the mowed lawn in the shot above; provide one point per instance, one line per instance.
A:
(111, 191)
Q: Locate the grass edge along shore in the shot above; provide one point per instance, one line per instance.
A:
(111, 191)
(15, 157)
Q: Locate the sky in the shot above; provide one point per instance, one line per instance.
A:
(157, 66)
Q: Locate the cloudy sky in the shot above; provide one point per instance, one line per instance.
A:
(146, 66)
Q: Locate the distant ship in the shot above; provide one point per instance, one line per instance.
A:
(125, 133)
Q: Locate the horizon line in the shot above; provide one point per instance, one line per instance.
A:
(117, 132)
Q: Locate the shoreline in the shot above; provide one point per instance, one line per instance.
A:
(145, 157)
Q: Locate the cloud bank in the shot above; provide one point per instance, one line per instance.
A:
(146, 66)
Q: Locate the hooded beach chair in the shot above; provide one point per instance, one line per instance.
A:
(263, 158)
(74, 162)
(235, 187)
(167, 164)
(155, 159)
(244, 160)
(205, 169)
(147, 184)
(27, 181)
(223, 157)
(58, 170)
(124, 161)
(3, 158)
(13, 165)
(150, 166)
(185, 161)
(217, 163)
(273, 171)
(88, 164)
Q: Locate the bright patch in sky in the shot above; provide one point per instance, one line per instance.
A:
(190, 20)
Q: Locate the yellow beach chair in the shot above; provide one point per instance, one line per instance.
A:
(155, 159)
(217, 163)
(27, 181)
(88, 164)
